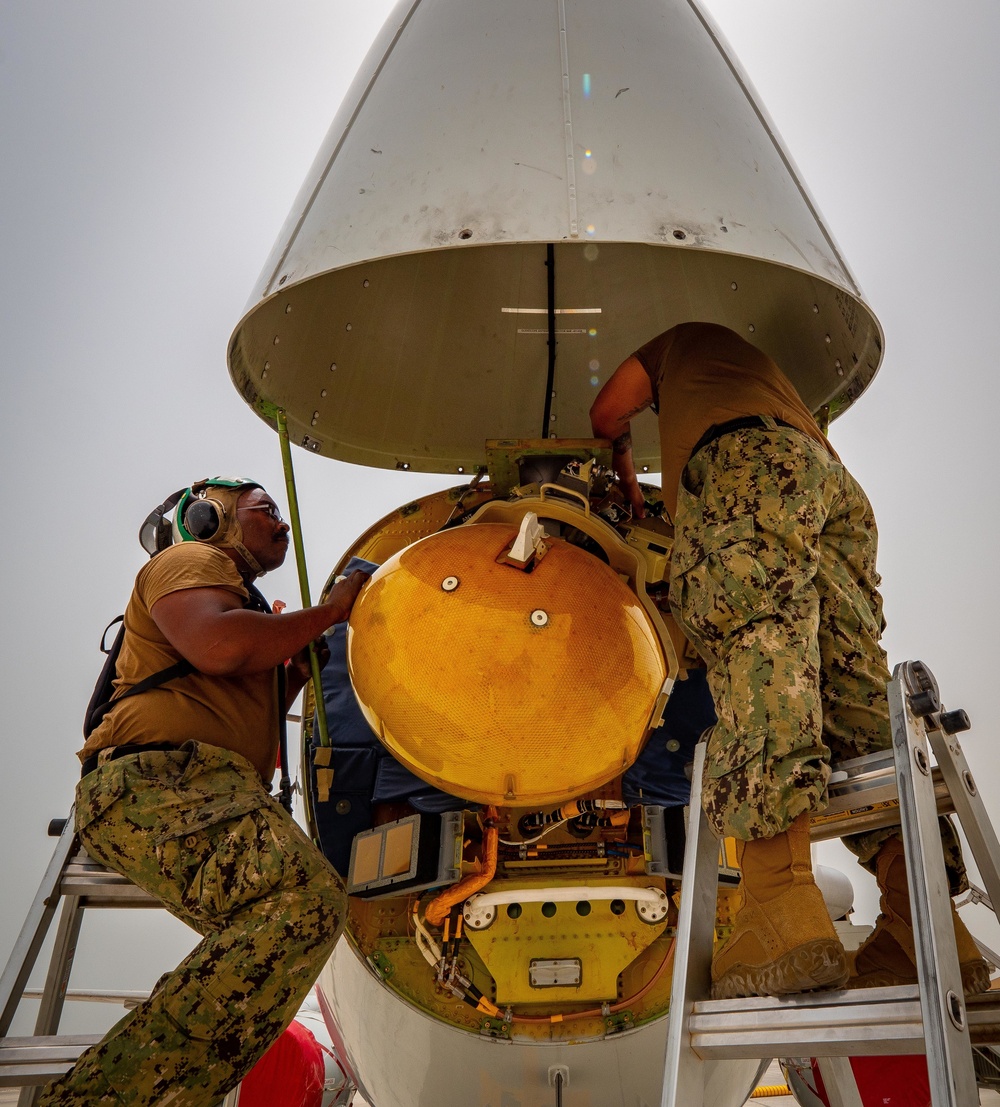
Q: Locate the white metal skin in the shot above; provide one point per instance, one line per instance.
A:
(405, 1058)
(410, 279)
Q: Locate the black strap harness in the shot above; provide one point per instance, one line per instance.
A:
(99, 706)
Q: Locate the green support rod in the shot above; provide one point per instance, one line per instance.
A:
(300, 564)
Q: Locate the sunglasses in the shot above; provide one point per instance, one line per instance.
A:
(272, 512)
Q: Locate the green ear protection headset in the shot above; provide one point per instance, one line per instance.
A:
(200, 517)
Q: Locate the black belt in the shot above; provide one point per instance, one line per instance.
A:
(717, 430)
(90, 763)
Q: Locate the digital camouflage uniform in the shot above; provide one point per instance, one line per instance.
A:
(773, 579)
(196, 829)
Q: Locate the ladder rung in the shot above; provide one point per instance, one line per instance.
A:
(836, 1024)
(983, 1013)
(31, 1061)
(864, 796)
(109, 895)
(866, 1021)
(101, 887)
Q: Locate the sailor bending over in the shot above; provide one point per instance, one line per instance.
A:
(773, 580)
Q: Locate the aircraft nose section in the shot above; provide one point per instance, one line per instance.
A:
(497, 162)
(500, 684)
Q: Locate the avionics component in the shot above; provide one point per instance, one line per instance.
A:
(500, 685)
(664, 835)
(420, 851)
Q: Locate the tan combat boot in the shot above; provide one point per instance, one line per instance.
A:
(783, 940)
(888, 955)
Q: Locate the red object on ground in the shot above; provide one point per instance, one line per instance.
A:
(290, 1074)
(886, 1081)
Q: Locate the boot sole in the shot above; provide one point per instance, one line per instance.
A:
(975, 978)
(814, 965)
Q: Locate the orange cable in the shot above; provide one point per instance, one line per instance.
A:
(439, 907)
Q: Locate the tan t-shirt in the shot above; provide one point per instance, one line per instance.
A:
(239, 713)
(704, 374)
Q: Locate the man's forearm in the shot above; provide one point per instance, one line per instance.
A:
(626, 393)
(211, 629)
(620, 432)
(250, 641)
(624, 466)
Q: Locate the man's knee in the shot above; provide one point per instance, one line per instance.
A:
(314, 905)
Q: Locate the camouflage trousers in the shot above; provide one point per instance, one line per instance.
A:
(196, 829)
(773, 579)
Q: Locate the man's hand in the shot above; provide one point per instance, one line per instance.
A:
(300, 664)
(627, 392)
(337, 606)
(343, 594)
(629, 484)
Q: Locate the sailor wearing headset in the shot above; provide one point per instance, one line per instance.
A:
(175, 796)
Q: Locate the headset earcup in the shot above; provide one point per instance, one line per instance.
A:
(201, 518)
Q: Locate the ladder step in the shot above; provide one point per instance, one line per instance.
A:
(32, 1061)
(863, 796)
(101, 887)
(865, 1021)
(983, 1013)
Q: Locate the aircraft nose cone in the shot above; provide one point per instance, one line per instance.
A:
(624, 158)
(500, 685)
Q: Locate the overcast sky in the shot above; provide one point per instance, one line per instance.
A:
(148, 157)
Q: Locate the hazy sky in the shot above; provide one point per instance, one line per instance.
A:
(148, 157)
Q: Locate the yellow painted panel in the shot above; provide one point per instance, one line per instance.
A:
(605, 943)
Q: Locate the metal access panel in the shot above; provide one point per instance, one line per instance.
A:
(408, 855)
(549, 973)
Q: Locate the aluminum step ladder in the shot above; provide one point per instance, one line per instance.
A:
(897, 787)
(73, 878)
(80, 883)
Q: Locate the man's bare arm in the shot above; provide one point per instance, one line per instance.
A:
(210, 628)
(627, 392)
